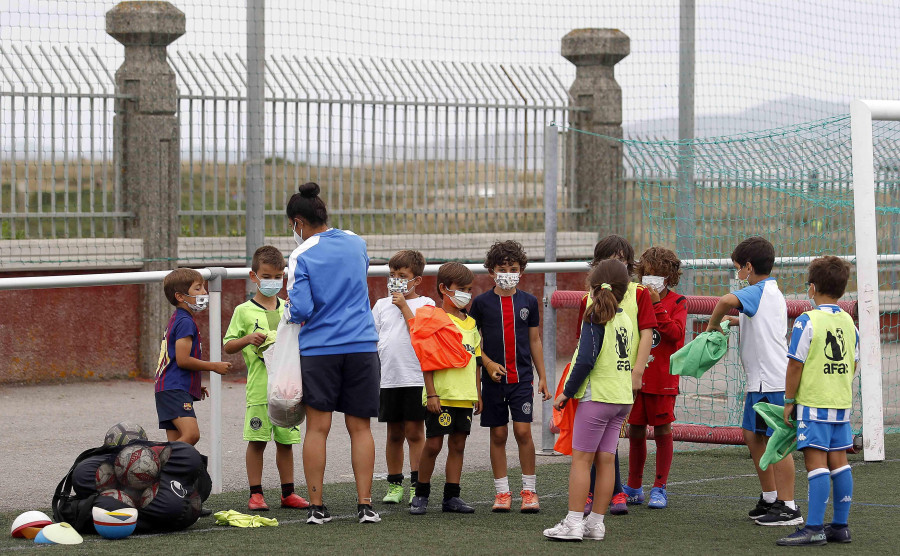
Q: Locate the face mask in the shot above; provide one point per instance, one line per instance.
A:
(398, 285)
(202, 302)
(297, 237)
(812, 300)
(506, 280)
(460, 299)
(269, 287)
(741, 282)
(658, 283)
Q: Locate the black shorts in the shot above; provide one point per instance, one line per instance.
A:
(345, 382)
(449, 421)
(401, 404)
(499, 401)
(172, 404)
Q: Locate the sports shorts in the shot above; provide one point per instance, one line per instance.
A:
(752, 420)
(499, 401)
(401, 404)
(597, 426)
(652, 409)
(258, 428)
(172, 404)
(344, 382)
(828, 437)
(448, 421)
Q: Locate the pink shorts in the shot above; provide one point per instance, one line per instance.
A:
(597, 426)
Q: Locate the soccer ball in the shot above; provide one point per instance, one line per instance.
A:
(122, 433)
(119, 495)
(106, 476)
(163, 453)
(148, 495)
(137, 466)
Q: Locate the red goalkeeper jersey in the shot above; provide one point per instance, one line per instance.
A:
(668, 337)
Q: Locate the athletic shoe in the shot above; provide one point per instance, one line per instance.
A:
(294, 500)
(594, 532)
(317, 515)
(530, 504)
(565, 531)
(658, 498)
(761, 509)
(503, 502)
(619, 504)
(394, 494)
(456, 505)
(837, 534)
(803, 537)
(419, 505)
(367, 515)
(780, 514)
(589, 505)
(635, 496)
(205, 512)
(257, 503)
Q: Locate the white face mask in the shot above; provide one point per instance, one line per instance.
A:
(506, 280)
(297, 237)
(202, 302)
(460, 299)
(398, 285)
(658, 283)
(742, 283)
(269, 287)
(812, 300)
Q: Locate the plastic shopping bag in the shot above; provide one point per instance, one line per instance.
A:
(285, 386)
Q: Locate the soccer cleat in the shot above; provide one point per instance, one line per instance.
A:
(589, 504)
(394, 494)
(761, 509)
(419, 505)
(294, 500)
(803, 537)
(594, 532)
(635, 495)
(367, 515)
(317, 515)
(502, 502)
(619, 504)
(780, 515)
(658, 498)
(257, 503)
(456, 505)
(530, 504)
(565, 531)
(837, 534)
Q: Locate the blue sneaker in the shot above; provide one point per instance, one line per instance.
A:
(658, 498)
(837, 534)
(419, 505)
(635, 495)
(803, 537)
(456, 505)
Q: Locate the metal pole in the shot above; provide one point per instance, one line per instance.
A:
(684, 216)
(215, 379)
(256, 69)
(551, 175)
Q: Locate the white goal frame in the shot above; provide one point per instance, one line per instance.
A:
(862, 113)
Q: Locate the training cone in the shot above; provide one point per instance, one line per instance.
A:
(58, 533)
(27, 525)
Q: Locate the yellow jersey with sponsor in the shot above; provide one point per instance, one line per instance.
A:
(457, 387)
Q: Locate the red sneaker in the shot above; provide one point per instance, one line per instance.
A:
(294, 501)
(257, 503)
(618, 504)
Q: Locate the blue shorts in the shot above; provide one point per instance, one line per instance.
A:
(752, 420)
(344, 382)
(172, 404)
(499, 401)
(828, 437)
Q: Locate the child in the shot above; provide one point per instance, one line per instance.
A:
(659, 270)
(401, 374)
(821, 363)
(763, 328)
(509, 321)
(251, 325)
(601, 379)
(178, 371)
(450, 396)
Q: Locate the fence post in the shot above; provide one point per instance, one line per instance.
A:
(216, 274)
(595, 52)
(148, 136)
(551, 179)
(256, 122)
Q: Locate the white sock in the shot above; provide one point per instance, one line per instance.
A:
(502, 485)
(790, 504)
(575, 518)
(770, 497)
(529, 482)
(595, 518)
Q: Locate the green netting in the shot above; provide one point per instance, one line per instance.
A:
(791, 185)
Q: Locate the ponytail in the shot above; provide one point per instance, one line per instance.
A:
(608, 282)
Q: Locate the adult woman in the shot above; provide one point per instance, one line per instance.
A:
(338, 345)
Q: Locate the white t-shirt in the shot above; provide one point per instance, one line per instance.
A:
(399, 365)
(763, 329)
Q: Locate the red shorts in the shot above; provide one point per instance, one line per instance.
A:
(652, 409)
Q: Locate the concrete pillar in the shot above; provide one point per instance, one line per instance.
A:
(597, 162)
(147, 125)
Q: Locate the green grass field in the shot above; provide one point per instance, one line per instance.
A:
(710, 493)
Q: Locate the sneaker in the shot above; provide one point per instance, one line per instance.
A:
(419, 505)
(658, 498)
(565, 531)
(257, 503)
(394, 494)
(205, 512)
(317, 515)
(530, 504)
(761, 509)
(594, 532)
(367, 515)
(780, 514)
(837, 534)
(589, 504)
(803, 537)
(502, 502)
(294, 500)
(635, 495)
(456, 505)
(619, 504)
